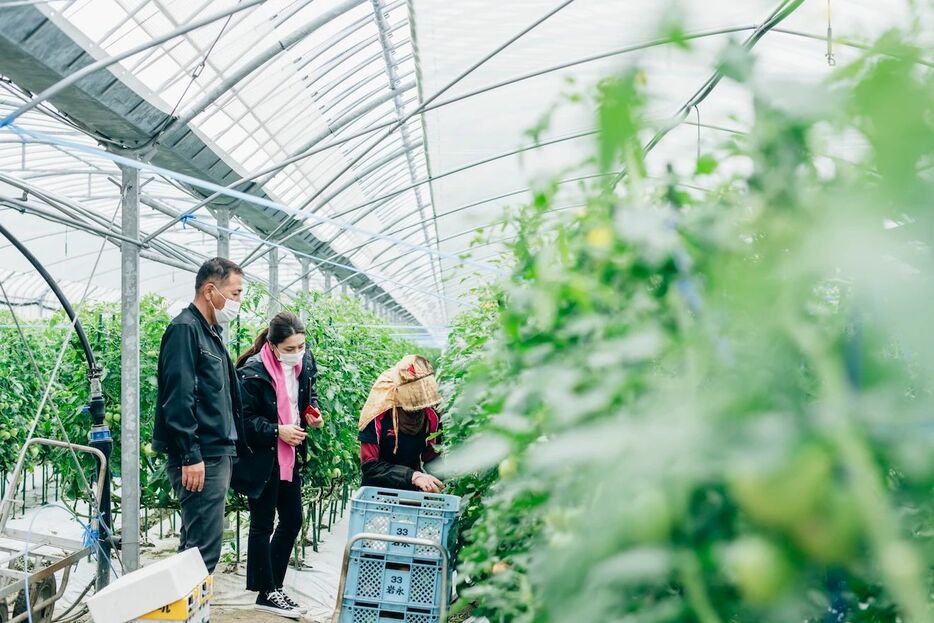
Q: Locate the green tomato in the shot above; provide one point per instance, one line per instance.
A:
(784, 498)
(508, 467)
(759, 569)
(5, 434)
(649, 517)
(831, 533)
(336, 473)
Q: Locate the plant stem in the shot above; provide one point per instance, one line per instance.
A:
(692, 578)
(899, 564)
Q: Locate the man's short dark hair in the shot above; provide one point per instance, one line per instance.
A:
(216, 269)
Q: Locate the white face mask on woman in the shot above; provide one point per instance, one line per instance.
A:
(291, 359)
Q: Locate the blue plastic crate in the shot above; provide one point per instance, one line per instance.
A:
(389, 579)
(392, 512)
(371, 612)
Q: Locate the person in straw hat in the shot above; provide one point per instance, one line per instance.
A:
(399, 428)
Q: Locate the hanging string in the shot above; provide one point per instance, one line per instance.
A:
(829, 55)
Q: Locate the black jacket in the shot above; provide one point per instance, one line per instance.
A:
(261, 419)
(198, 405)
(385, 466)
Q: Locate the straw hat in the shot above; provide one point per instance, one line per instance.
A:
(410, 385)
(416, 387)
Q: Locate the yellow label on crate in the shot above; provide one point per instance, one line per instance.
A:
(183, 609)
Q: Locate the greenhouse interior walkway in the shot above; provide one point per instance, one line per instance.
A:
(315, 584)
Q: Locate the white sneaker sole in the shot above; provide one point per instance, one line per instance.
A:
(291, 614)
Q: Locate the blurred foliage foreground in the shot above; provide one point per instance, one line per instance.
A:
(705, 396)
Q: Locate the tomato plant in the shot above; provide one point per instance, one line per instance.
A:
(350, 347)
(705, 397)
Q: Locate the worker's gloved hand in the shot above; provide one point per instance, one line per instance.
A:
(427, 483)
(291, 434)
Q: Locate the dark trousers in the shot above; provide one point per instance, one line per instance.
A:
(268, 558)
(203, 511)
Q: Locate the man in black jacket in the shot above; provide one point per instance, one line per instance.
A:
(198, 422)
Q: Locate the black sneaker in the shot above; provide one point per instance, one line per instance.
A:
(274, 603)
(295, 605)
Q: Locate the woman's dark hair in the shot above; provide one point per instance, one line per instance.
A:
(283, 325)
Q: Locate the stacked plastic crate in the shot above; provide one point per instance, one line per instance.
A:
(389, 580)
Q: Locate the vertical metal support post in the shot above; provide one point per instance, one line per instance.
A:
(129, 370)
(306, 282)
(306, 275)
(327, 281)
(273, 281)
(222, 218)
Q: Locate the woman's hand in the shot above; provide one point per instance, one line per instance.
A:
(427, 483)
(313, 418)
(291, 434)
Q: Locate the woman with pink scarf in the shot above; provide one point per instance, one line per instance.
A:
(280, 403)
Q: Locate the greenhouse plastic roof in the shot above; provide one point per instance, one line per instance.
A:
(411, 116)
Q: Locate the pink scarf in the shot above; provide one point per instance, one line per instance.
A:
(274, 368)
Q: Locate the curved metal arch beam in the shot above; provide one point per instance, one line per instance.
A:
(444, 174)
(478, 163)
(347, 31)
(535, 74)
(376, 153)
(381, 15)
(375, 257)
(210, 186)
(384, 178)
(474, 204)
(261, 59)
(312, 148)
(185, 69)
(396, 125)
(370, 94)
(78, 216)
(281, 18)
(66, 82)
(527, 76)
(323, 91)
(654, 43)
(373, 168)
(348, 55)
(337, 60)
(473, 67)
(398, 192)
(353, 88)
(356, 178)
(188, 66)
(357, 219)
(782, 12)
(354, 250)
(272, 171)
(350, 267)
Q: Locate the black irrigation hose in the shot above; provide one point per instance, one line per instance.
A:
(85, 344)
(61, 618)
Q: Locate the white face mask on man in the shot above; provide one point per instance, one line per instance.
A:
(228, 312)
(291, 359)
